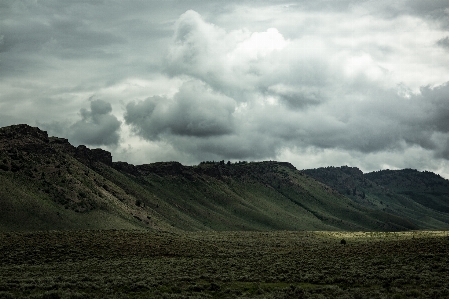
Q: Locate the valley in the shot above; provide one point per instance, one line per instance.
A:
(143, 264)
(75, 224)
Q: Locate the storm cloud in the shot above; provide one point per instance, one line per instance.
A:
(97, 126)
(444, 42)
(315, 83)
(194, 111)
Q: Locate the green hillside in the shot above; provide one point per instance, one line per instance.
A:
(420, 197)
(244, 196)
(46, 183)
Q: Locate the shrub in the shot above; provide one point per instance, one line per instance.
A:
(6, 295)
(51, 295)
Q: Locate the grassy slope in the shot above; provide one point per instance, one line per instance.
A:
(22, 208)
(247, 196)
(426, 188)
(200, 202)
(252, 196)
(398, 193)
(43, 186)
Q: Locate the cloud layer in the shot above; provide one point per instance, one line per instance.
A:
(285, 94)
(316, 83)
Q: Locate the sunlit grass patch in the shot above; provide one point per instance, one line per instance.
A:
(365, 236)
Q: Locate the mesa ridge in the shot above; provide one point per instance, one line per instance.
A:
(47, 183)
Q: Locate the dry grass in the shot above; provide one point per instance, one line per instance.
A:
(136, 264)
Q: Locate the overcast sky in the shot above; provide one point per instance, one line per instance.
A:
(314, 83)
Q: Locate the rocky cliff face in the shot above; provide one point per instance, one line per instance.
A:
(47, 166)
(23, 139)
(23, 133)
(88, 156)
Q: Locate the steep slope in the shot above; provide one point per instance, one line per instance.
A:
(420, 197)
(249, 196)
(46, 183)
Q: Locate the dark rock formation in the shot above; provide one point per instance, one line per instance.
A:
(88, 156)
(126, 167)
(17, 140)
(23, 132)
(162, 168)
(62, 144)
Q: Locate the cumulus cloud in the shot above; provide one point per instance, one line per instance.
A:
(97, 126)
(254, 95)
(195, 111)
(228, 62)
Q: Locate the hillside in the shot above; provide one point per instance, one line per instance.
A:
(420, 197)
(46, 183)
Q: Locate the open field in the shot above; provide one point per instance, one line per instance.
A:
(141, 264)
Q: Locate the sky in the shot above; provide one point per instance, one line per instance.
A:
(314, 83)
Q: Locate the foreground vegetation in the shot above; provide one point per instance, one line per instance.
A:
(142, 264)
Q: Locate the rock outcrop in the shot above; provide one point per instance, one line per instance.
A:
(23, 139)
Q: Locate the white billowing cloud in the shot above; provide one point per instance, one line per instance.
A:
(223, 60)
(363, 65)
(307, 92)
(258, 45)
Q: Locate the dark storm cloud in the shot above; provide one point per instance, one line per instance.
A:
(96, 127)
(435, 101)
(29, 26)
(194, 111)
(241, 146)
(444, 42)
(300, 99)
(435, 10)
(389, 122)
(434, 123)
(46, 37)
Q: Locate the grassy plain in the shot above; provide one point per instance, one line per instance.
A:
(283, 264)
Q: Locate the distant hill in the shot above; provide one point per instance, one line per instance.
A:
(420, 197)
(46, 183)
